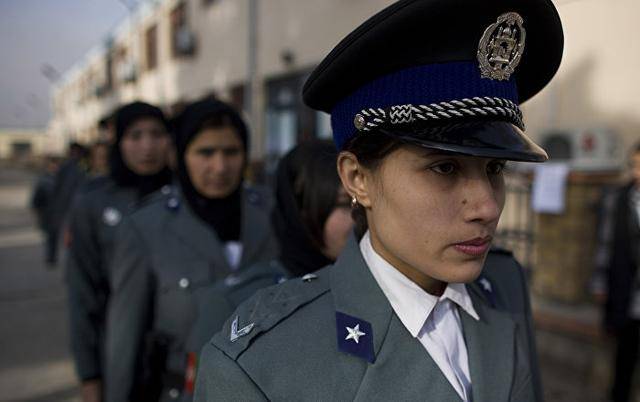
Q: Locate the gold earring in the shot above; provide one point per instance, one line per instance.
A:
(354, 202)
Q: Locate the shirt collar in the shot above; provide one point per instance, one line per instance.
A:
(410, 302)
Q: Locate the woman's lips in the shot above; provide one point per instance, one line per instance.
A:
(475, 247)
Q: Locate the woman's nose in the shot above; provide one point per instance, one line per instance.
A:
(482, 201)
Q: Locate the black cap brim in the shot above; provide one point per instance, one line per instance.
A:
(489, 139)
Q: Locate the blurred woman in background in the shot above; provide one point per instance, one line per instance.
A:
(312, 221)
(138, 167)
(181, 240)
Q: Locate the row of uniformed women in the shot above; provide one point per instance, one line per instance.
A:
(153, 274)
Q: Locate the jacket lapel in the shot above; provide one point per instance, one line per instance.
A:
(404, 362)
(399, 358)
(490, 347)
(356, 294)
(198, 237)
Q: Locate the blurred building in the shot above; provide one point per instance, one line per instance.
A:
(172, 51)
(22, 145)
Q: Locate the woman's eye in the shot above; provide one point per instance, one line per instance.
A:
(444, 168)
(156, 134)
(496, 167)
(134, 135)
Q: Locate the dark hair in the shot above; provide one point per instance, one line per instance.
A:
(207, 113)
(306, 190)
(77, 150)
(370, 149)
(315, 185)
(124, 117)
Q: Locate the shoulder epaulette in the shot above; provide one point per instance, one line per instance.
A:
(266, 309)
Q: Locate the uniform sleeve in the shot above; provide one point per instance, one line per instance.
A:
(129, 312)
(536, 381)
(221, 379)
(87, 291)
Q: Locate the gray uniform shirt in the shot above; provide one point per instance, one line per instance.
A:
(290, 342)
(96, 214)
(163, 255)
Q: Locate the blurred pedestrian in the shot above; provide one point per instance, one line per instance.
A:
(622, 308)
(424, 101)
(99, 159)
(41, 199)
(312, 221)
(69, 177)
(138, 167)
(182, 240)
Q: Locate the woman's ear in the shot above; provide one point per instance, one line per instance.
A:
(356, 179)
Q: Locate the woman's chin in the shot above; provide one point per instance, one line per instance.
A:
(465, 272)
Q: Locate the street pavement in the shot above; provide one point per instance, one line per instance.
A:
(35, 363)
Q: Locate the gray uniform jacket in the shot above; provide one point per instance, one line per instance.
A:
(68, 179)
(94, 219)
(164, 254)
(289, 344)
(218, 301)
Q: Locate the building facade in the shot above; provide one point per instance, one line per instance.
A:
(169, 52)
(26, 144)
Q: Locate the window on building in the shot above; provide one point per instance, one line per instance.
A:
(323, 125)
(237, 96)
(108, 70)
(151, 47)
(182, 39)
(289, 120)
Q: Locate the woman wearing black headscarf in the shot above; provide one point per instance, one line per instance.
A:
(180, 241)
(137, 168)
(312, 221)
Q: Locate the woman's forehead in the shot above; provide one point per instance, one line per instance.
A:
(430, 153)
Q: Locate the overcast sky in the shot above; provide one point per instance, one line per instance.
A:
(37, 32)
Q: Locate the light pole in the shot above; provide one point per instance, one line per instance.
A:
(253, 91)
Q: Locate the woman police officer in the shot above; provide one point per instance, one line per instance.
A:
(138, 166)
(312, 221)
(179, 241)
(424, 105)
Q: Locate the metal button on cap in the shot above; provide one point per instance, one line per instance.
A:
(184, 283)
(174, 393)
(166, 190)
(360, 122)
(309, 277)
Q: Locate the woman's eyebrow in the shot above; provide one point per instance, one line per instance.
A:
(430, 153)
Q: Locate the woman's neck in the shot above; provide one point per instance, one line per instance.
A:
(430, 285)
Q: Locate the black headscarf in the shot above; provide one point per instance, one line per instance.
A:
(306, 190)
(224, 215)
(119, 171)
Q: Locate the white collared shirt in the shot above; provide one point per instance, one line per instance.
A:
(233, 253)
(433, 320)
